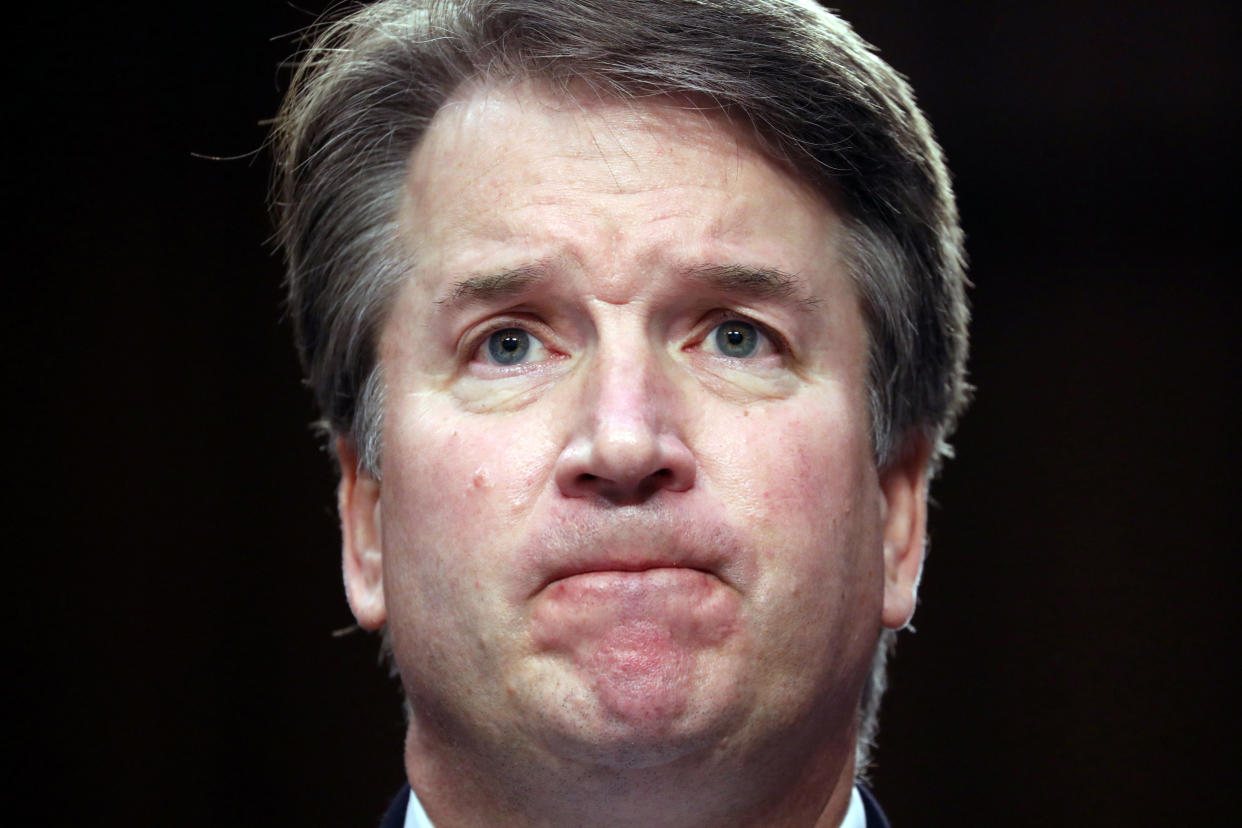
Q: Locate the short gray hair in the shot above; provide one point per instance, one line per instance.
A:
(815, 94)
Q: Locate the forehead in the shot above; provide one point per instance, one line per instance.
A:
(512, 175)
(497, 129)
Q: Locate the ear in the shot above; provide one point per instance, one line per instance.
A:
(358, 499)
(904, 485)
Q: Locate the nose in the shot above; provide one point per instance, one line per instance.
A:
(627, 444)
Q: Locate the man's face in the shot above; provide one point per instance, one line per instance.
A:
(629, 513)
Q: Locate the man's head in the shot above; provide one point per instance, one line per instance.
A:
(640, 327)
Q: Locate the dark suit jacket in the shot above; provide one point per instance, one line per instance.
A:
(395, 818)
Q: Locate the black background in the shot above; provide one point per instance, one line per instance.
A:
(174, 574)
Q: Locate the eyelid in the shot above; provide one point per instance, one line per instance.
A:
(720, 316)
(476, 340)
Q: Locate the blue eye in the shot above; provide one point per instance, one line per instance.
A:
(736, 338)
(510, 346)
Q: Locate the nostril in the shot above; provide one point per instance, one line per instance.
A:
(624, 470)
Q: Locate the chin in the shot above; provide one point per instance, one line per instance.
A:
(633, 747)
(637, 720)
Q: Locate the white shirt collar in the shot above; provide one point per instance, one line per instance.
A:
(855, 817)
(415, 816)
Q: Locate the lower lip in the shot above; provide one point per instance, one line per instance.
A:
(612, 584)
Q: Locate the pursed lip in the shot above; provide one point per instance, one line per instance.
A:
(619, 566)
(637, 542)
(634, 563)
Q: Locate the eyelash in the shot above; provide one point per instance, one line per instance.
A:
(705, 328)
(478, 341)
(719, 317)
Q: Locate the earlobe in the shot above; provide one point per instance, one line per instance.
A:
(904, 484)
(358, 500)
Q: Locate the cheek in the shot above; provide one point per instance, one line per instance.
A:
(439, 499)
(803, 483)
(451, 460)
(451, 495)
(786, 463)
(452, 487)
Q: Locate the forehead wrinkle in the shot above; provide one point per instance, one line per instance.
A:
(616, 132)
(660, 121)
(616, 141)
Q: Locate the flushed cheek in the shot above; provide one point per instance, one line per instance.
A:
(822, 510)
(804, 487)
(773, 467)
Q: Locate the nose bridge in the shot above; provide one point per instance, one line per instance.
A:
(626, 394)
(628, 442)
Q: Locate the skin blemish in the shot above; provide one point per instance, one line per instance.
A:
(640, 672)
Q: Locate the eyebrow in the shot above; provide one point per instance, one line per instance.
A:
(752, 282)
(757, 283)
(488, 287)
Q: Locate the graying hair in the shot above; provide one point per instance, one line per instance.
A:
(813, 92)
